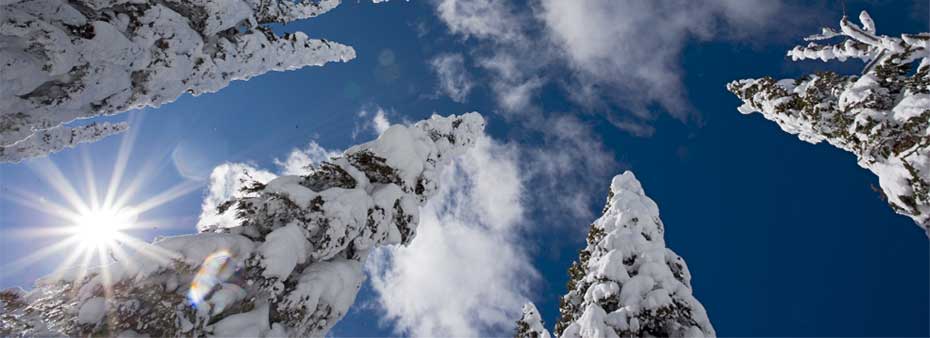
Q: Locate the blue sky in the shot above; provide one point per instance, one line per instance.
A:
(783, 238)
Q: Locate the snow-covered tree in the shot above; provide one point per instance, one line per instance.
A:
(881, 115)
(292, 265)
(531, 324)
(63, 60)
(626, 283)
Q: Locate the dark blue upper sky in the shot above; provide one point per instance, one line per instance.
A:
(783, 238)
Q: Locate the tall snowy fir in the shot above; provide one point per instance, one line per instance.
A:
(290, 263)
(626, 283)
(61, 61)
(881, 115)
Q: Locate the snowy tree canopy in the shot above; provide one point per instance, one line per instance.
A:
(531, 324)
(291, 264)
(66, 60)
(882, 116)
(626, 283)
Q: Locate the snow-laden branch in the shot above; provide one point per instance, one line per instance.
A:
(66, 60)
(860, 43)
(882, 116)
(626, 283)
(290, 266)
(54, 140)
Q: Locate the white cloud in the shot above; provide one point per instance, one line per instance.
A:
(300, 161)
(480, 18)
(378, 122)
(568, 169)
(633, 47)
(454, 80)
(226, 182)
(622, 56)
(511, 56)
(516, 96)
(466, 273)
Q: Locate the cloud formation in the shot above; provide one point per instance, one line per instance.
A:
(633, 47)
(567, 170)
(481, 19)
(466, 273)
(380, 121)
(620, 59)
(454, 80)
(377, 123)
(300, 161)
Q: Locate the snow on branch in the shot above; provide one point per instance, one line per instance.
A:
(292, 266)
(66, 60)
(861, 43)
(54, 140)
(882, 116)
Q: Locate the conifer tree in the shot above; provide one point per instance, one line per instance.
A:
(626, 283)
(291, 266)
(63, 60)
(881, 115)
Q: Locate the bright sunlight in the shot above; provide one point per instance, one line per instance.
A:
(95, 226)
(101, 227)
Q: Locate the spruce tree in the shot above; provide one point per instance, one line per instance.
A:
(881, 115)
(292, 265)
(63, 60)
(626, 283)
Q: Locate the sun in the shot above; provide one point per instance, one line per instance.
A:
(102, 227)
(95, 228)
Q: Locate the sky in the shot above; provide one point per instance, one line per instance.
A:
(783, 238)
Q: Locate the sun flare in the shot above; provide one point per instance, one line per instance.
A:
(101, 227)
(96, 228)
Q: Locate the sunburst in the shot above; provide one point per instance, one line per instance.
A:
(94, 233)
(102, 227)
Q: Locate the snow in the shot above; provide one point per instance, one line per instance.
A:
(911, 106)
(632, 284)
(92, 311)
(227, 294)
(247, 324)
(333, 283)
(54, 140)
(283, 249)
(292, 262)
(60, 64)
(534, 324)
(882, 116)
(196, 248)
(592, 324)
(604, 269)
(227, 182)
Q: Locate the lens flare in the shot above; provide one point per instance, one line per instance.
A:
(216, 268)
